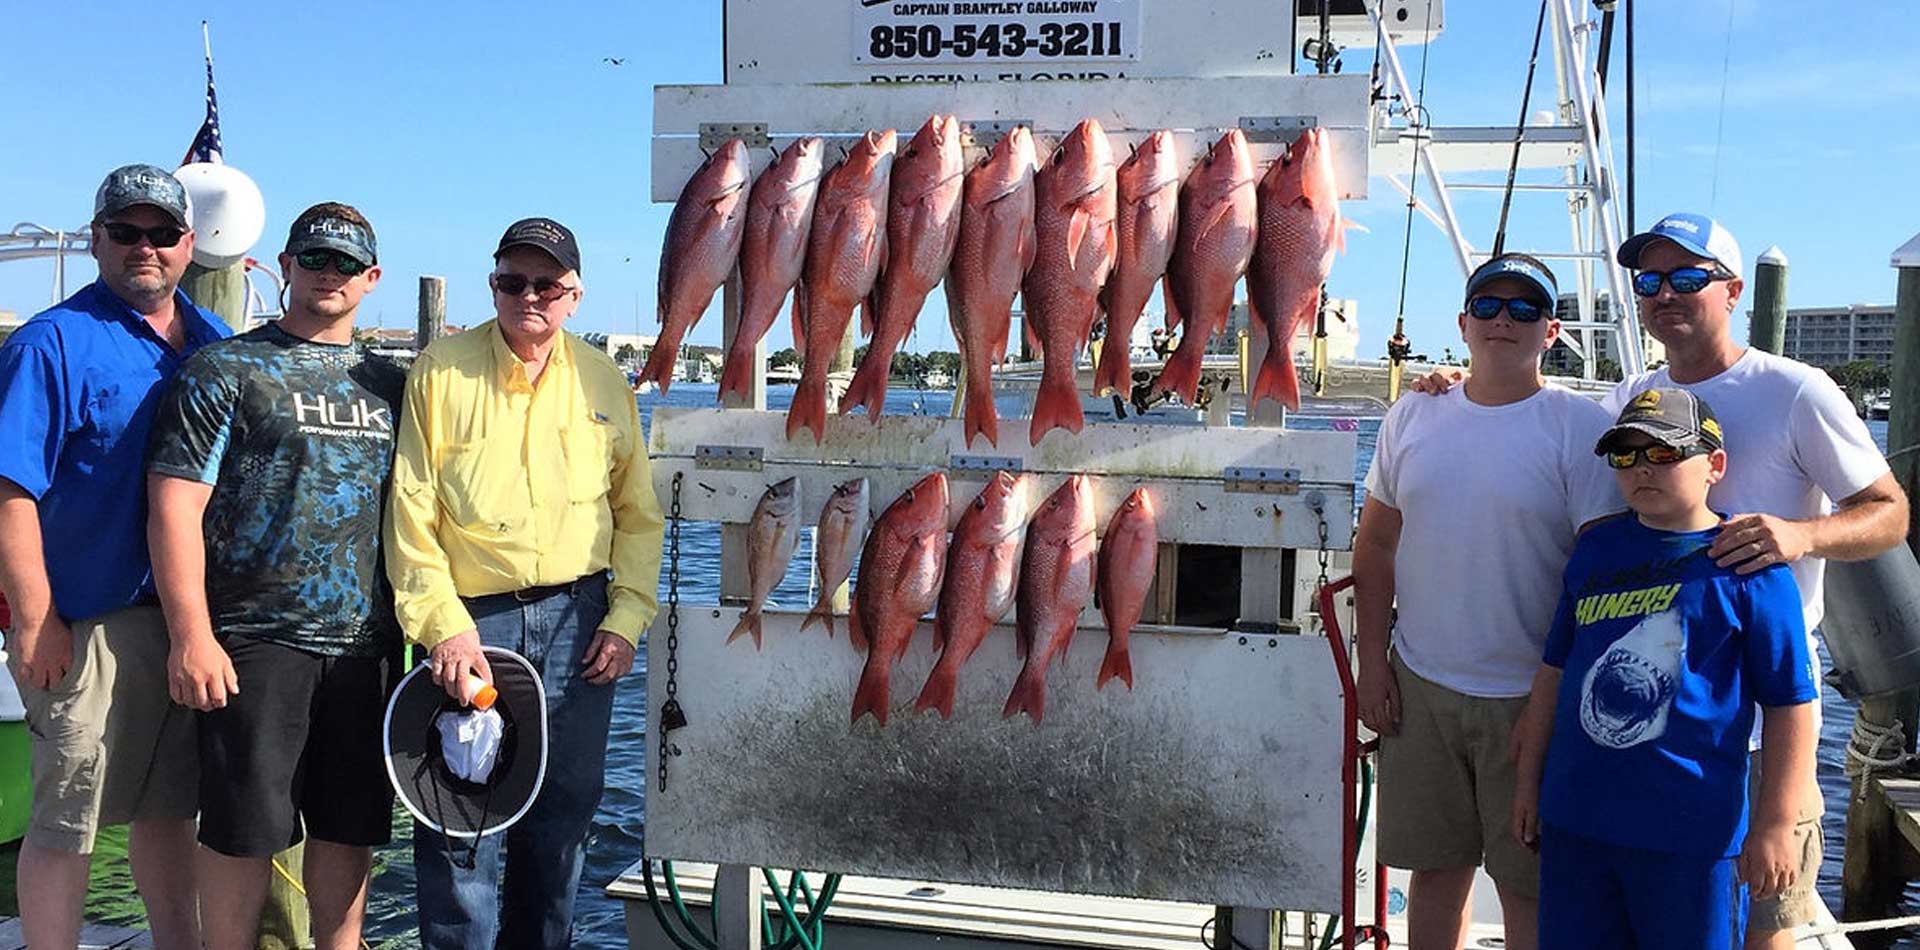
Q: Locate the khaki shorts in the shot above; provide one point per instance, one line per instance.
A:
(1446, 786)
(1797, 906)
(109, 746)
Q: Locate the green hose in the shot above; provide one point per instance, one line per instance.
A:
(1359, 838)
(797, 932)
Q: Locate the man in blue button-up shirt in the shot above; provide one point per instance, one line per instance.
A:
(78, 387)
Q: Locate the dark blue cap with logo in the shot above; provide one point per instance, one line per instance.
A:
(333, 233)
(543, 234)
(1520, 266)
(131, 185)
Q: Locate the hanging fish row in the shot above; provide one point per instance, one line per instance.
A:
(1075, 236)
(996, 560)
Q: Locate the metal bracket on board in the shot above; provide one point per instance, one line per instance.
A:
(1282, 129)
(751, 134)
(729, 458)
(1261, 481)
(984, 463)
(986, 133)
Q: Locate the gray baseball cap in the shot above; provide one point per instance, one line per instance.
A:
(1671, 416)
(131, 185)
(335, 234)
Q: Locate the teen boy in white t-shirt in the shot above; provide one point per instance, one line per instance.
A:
(1473, 501)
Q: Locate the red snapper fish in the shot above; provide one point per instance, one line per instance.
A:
(900, 572)
(836, 539)
(703, 243)
(1300, 230)
(774, 248)
(845, 250)
(770, 538)
(1056, 574)
(923, 222)
(1217, 233)
(1123, 577)
(1074, 197)
(982, 563)
(995, 250)
(1149, 212)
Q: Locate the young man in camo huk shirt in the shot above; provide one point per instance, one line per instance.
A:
(267, 470)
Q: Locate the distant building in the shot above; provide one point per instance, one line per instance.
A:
(9, 321)
(1831, 336)
(1563, 359)
(1343, 332)
(635, 346)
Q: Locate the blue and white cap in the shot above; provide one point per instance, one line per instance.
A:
(131, 185)
(1529, 270)
(1697, 233)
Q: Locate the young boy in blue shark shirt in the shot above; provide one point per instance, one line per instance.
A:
(1632, 780)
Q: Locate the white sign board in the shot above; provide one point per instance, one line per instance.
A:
(820, 41)
(997, 32)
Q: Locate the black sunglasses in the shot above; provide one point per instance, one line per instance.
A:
(317, 259)
(1519, 309)
(546, 288)
(120, 232)
(1656, 454)
(1683, 280)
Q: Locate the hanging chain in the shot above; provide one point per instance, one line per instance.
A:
(1326, 554)
(671, 715)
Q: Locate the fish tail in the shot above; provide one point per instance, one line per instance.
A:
(733, 378)
(1115, 371)
(1181, 375)
(659, 368)
(872, 697)
(1056, 406)
(982, 417)
(1119, 662)
(749, 623)
(809, 409)
(1277, 379)
(1029, 693)
(869, 388)
(940, 689)
(822, 613)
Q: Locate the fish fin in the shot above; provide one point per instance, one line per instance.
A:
(868, 388)
(1029, 693)
(940, 689)
(799, 316)
(856, 633)
(1115, 373)
(822, 614)
(983, 418)
(869, 309)
(1216, 215)
(1119, 662)
(660, 361)
(1181, 375)
(1171, 302)
(1277, 380)
(749, 623)
(872, 695)
(1027, 330)
(809, 410)
(733, 377)
(1077, 228)
(1055, 406)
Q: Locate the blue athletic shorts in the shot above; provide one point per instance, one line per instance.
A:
(1610, 897)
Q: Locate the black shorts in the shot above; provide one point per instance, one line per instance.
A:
(300, 742)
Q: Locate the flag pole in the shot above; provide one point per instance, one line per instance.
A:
(206, 41)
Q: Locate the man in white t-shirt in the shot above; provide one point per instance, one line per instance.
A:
(1793, 443)
(1473, 501)
(1793, 446)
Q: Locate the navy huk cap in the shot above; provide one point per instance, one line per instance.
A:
(544, 234)
(131, 185)
(334, 234)
(1696, 233)
(1672, 417)
(1527, 269)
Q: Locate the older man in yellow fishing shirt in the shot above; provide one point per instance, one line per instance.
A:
(523, 516)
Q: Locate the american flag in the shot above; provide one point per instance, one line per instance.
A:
(206, 143)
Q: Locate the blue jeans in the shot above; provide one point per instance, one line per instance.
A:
(470, 908)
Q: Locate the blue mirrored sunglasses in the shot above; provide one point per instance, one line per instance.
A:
(1683, 280)
(1519, 309)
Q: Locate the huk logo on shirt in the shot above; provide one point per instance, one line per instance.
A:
(359, 417)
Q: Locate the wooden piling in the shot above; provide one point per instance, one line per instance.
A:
(1873, 877)
(222, 290)
(1767, 328)
(433, 311)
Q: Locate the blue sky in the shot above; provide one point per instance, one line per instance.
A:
(443, 127)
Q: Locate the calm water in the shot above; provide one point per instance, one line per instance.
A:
(615, 841)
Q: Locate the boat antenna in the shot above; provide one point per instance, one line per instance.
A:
(1720, 125)
(1519, 132)
(1398, 346)
(1631, 228)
